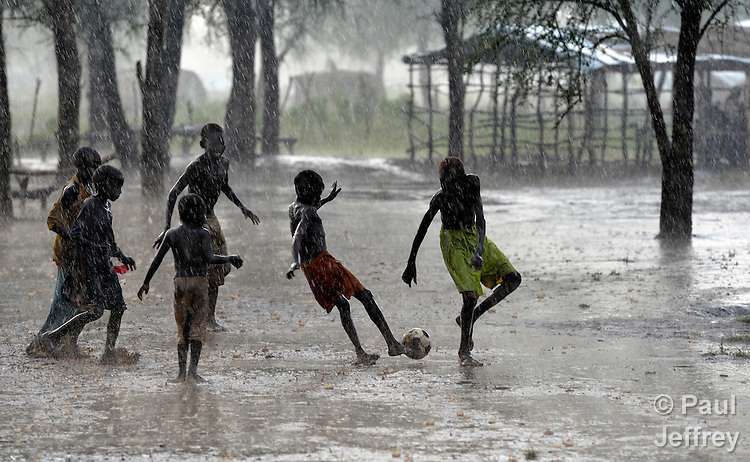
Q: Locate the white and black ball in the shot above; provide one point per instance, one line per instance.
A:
(418, 340)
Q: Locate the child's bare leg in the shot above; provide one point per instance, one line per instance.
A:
(511, 281)
(182, 352)
(195, 354)
(395, 348)
(113, 331)
(346, 321)
(213, 295)
(72, 326)
(467, 328)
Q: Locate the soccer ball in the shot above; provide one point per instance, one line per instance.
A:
(419, 341)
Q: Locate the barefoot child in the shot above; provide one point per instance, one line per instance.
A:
(471, 258)
(208, 177)
(191, 249)
(95, 277)
(331, 283)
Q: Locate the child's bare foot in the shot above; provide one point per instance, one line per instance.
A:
(468, 361)
(366, 359)
(179, 379)
(195, 378)
(396, 349)
(214, 326)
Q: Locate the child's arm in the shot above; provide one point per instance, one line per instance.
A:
(331, 196)
(163, 248)
(178, 187)
(477, 260)
(229, 192)
(304, 223)
(211, 257)
(410, 273)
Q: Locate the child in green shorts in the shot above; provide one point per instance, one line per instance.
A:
(471, 258)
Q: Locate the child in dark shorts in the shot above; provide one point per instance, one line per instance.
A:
(191, 248)
(331, 283)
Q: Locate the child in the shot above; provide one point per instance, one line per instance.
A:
(95, 245)
(331, 283)
(470, 257)
(191, 249)
(59, 219)
(208, 177)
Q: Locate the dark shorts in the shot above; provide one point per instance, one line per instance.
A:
(191, 307)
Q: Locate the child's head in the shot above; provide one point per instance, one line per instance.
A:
(450, 169)
(86, 160)
(309, 187)
(192, 209)
(212, 139)
(108, 182)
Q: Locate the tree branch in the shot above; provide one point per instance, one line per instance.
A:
(712, 17)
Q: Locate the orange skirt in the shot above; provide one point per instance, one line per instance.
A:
(329, 279)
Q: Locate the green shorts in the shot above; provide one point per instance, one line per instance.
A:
(458, 246)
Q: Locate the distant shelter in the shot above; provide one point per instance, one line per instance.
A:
(610, 125)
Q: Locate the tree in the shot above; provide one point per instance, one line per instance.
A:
(239, 123)
(452, 15)
(6, 155)
(154, 161)
(103, 85)
(377, 29)
(68, 78)
(172, 53)
(270, 132)
(637, 23)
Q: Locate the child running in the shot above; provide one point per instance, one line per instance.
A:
(331, 283)
(191, 249)
(471, 258)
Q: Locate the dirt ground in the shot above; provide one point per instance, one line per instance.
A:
(581, 362)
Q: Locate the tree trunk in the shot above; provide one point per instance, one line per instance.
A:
(154, 162)
(68, 79)
(94, 52)
(122, 135)
(172, 54)
(675, 221)
(270, 77)
(6, 155)
(239, 123)
(451, 17)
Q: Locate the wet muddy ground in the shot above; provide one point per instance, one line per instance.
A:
(607, 322)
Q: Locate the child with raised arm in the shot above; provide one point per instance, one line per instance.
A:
(331, 283)
(95, 276)
(471, 258)
(208, 177)
(191, 248)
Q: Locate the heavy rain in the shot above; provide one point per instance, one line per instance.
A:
(627, 339)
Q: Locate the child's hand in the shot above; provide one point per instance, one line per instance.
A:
(410, 273)
(142, 290)
(476, 262)
(334, 191)
(235, 260)
(249, 214)
(128, 261)
(159, 239)
(292, 269)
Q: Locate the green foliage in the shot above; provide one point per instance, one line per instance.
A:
(340, 127)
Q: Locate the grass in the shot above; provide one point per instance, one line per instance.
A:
(743, 319)
(738, 339)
